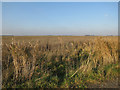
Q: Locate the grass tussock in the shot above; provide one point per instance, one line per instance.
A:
(59, 62)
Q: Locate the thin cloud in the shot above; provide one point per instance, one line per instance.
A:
(106, 15)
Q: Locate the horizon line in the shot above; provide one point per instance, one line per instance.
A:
(59, 35)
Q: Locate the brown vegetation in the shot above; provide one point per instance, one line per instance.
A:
(58, 61)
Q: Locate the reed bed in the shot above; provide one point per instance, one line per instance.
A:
(59, 61)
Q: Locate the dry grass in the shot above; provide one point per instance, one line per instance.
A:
(39, 57)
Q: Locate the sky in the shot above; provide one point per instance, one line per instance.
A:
(0, 19)
(60, 18)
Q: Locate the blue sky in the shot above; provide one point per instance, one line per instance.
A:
(60, 18)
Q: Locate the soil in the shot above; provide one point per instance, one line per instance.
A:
(106, 84)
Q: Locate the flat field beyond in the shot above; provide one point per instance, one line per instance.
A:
(60, 61)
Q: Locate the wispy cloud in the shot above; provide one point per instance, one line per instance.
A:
(106, 15)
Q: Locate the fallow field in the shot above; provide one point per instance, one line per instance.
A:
(60, 62)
